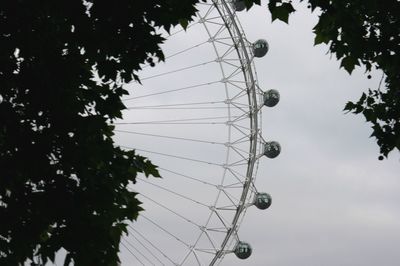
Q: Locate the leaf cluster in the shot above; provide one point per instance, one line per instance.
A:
(63, 183)
(363, 32)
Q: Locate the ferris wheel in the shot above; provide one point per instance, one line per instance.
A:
(198, 118)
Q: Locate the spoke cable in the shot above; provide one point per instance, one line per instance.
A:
(174, 193)
(130, 251)
(146, 248)
(175, 120)
(174, 105)
(170, 210)
(165, 230)
(185, 50)
(151, 244)
(173, 90)
(139, 252)
(178, 70)
(173, 156)
(168, 137)
(188, 177)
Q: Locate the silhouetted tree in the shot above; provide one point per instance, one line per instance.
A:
(63, 183)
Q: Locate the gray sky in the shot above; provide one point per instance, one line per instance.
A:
(334, 203)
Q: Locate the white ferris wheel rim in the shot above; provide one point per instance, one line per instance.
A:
(243, 50)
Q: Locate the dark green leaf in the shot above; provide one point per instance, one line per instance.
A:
(281, 11)
(349, 63)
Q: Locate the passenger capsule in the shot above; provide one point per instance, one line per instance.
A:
(242, 250)
(263, 201)
(271, 98)
(272, 149)
(238, 5)
(260, 48)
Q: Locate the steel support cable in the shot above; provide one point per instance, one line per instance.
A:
(220, 30)
(174, 105)
(170, 210)
(222, 42)
(238, 104)
(230, 196)
(182, 108)
(240, 108)
(240, 140)
(241, 117)
(216, 23)
(192, 250)
(205, 230)
(218, 229)
(239, 163)
(209, 10)
(240, 94)
(171, 120)
(188, 177)
(211, 19)
(168, 137)
(185, 50)
(178, 70)
(234, 185)
(174, 193)
(234, 73)
(130, 251)
(207, 251)
(237, 175)
(228, 51)
(186, 123)
(174, 34)
(151, 244)
(231, 208)
(211, 240)
(225, 38)
(232, 59)
(238, 81)
(238, 119)
(240, 151)
(173, 90)
(183, 30)
(139, 252)
(240, 129)
(222, 219)
(165, 230)
(244, 128)
(231, 64)
(179, 52)
(197, 258)
(171, 155)
(146, 248)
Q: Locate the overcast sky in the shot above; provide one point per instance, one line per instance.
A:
(334, 203)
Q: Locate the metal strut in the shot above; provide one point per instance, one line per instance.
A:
(237, 35)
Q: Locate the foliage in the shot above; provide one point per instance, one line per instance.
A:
(63, 183)
(362, 32)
